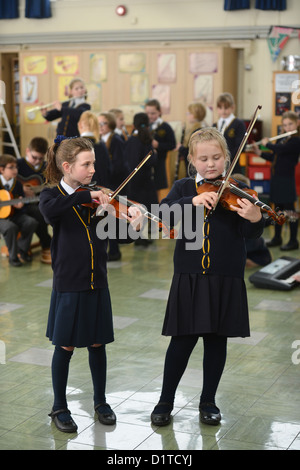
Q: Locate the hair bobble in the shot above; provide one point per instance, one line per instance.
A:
(59, 138)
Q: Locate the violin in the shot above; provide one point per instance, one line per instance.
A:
(121, 206)
(231, 193)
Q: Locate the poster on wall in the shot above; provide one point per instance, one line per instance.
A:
(29, 89)
(284, 82)
(282, 103)
(139, 88)
(63, 87)
(203, 62)
(33, 117)
(98, 68)
(66, 65)
(34, 65)
(94, 96)
(132, 63)
(162, 93)
(166, 68)
(203, 88)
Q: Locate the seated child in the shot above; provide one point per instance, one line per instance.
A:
(17, 221)
(31, 174)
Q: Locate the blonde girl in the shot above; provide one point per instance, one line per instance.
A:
(206, 300)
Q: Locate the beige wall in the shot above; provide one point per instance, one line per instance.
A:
(78, 15)
(255, 86)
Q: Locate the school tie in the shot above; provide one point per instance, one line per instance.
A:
(222, 126)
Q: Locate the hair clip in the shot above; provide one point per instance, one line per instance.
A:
(59, 138)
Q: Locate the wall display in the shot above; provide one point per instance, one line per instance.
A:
(132, 62)
(285, 85)
(29, 89)
(166, 68)
(282, 103)
(203, 88)
(203, 62)
(120, 75)
(94, 96)
(139, 88)
(66, 65)
(162, 93)
(34, 65)
(98, 68)
(63, 87)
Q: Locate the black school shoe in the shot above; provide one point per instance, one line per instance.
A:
(159, 417)
(105, 414)
(64, 426)
(209, 414)
(15, 262)
(274, 242)
(26, 257)
(291, 245)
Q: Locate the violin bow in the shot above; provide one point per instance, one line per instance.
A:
(123, 184)
(237, 156)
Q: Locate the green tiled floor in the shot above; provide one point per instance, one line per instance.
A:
(258, 394)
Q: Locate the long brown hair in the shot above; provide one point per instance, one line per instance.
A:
(65, 151)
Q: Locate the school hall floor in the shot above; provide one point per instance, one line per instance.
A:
(258, 394)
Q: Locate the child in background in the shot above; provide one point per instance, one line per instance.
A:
(69, 111)
(115, 146)
(80, 310)
(88, 126)
(258, 254)
(284, 156)
(163, 140)
(31, 174)
(120, 123)
(141, 188)
(18, 220)
(229, 125)
(195, 120)
(207, 298)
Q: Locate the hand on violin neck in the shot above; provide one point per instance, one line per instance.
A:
(208, 199)
(247, 210)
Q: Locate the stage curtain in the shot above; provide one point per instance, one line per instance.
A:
(38, 9)
(270, 4)
(236, 4)
(9, 9)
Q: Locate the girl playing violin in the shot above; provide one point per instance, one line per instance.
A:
(208, 302)
(80, 309)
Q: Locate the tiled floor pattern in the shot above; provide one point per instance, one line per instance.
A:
(258, 395)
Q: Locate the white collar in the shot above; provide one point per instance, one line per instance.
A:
(87, 134)
(200, 178)
(9, 182)
(36, 167)
(156, 123)
(105, 137)
(66, 187)
(227, 120)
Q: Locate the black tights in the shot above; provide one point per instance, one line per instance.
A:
(177, 357)
(60, 371)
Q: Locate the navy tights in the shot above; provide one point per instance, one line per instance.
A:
(177, 357)
(60, 371)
